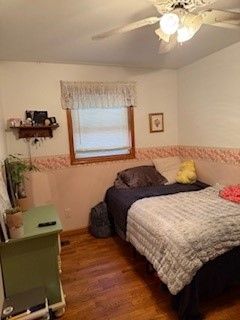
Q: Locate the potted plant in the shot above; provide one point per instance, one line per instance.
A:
(17, 168)
(14, 220)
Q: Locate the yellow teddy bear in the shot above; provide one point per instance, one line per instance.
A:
(187, 172)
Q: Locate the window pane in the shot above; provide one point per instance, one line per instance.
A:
(100, 132)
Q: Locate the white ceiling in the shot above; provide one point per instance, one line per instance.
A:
(61, 30)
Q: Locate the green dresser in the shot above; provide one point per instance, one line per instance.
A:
(34, 260)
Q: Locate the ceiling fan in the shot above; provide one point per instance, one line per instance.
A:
(179, 21)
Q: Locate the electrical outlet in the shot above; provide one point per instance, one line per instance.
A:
(68, 213)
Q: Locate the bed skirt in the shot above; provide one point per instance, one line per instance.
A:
(211, 280)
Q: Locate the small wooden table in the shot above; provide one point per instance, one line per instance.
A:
(33, 261)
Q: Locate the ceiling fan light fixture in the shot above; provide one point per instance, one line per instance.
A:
(184, 34)
(169, 23)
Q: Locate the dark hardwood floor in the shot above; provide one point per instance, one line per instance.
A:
(103, 281)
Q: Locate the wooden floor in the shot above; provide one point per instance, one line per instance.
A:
(103, 281)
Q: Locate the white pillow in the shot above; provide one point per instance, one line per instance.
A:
(168, 167)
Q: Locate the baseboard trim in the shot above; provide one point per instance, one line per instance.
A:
(75, 232)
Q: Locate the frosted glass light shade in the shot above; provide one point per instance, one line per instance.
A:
(185, 34)
(169, 23)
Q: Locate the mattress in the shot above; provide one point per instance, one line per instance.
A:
(120, 200)
(180, 233)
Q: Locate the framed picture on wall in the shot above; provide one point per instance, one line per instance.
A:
(156, 122)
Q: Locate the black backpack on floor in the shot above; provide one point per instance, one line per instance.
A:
(100, 226)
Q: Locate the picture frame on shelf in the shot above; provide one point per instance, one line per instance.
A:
(29, 114)
(53, 120)
(38, 117)
(156, 122)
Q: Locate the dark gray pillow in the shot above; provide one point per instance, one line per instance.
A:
(119, 184)
(139, 177)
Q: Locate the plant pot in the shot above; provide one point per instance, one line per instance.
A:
(16, 233)
(15, 225)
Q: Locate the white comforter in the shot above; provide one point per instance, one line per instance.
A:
(179, 233)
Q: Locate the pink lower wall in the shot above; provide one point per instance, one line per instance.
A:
(74, 190)
(214, 165)
(217, 172)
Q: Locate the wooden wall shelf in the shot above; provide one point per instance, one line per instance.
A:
(27, 132)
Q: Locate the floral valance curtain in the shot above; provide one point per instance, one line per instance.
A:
(84, 95)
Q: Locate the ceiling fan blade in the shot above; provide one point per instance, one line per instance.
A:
(127, 28)
(219, 18)
(192, 22)
(161, 6)
(162, 36)
(165, 47)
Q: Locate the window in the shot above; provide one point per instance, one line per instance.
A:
(101, 134)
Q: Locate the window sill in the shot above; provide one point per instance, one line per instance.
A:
(130, 156)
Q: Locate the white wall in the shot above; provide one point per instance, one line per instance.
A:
(209, 100)
(36, 86)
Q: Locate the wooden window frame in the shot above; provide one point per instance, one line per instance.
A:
(76, 161)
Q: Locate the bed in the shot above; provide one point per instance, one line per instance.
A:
(210, 274)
